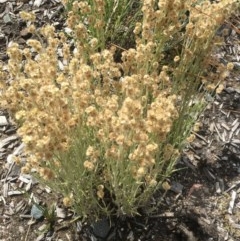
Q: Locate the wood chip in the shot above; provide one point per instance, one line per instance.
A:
(237, 132)
(218, 189)
(235, 121)
(37, 3)
(28, 186)
(225, 126)
(60, 212)
(7, 141)
(211, 127)
(48, 189)
(20, 205)
(19, 150)
(42, 227)
(5, 189)
(225, 113)
(224, 136)
(189, 234)
(164, 215)
(236, 141)
(15, 192)
(219, 135)
(10, 159)
(233, 186)
(232, 201)
(40, 237)
(200, 137)
(3, 200)
(27, 216)
(235, 225)
(234, 128)
(23, 179)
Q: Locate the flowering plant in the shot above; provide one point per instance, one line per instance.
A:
(104, 132)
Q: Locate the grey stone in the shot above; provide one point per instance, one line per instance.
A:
(7, 19)
(101, 228)
(37, 211)
(176, 187)
(3, 120)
